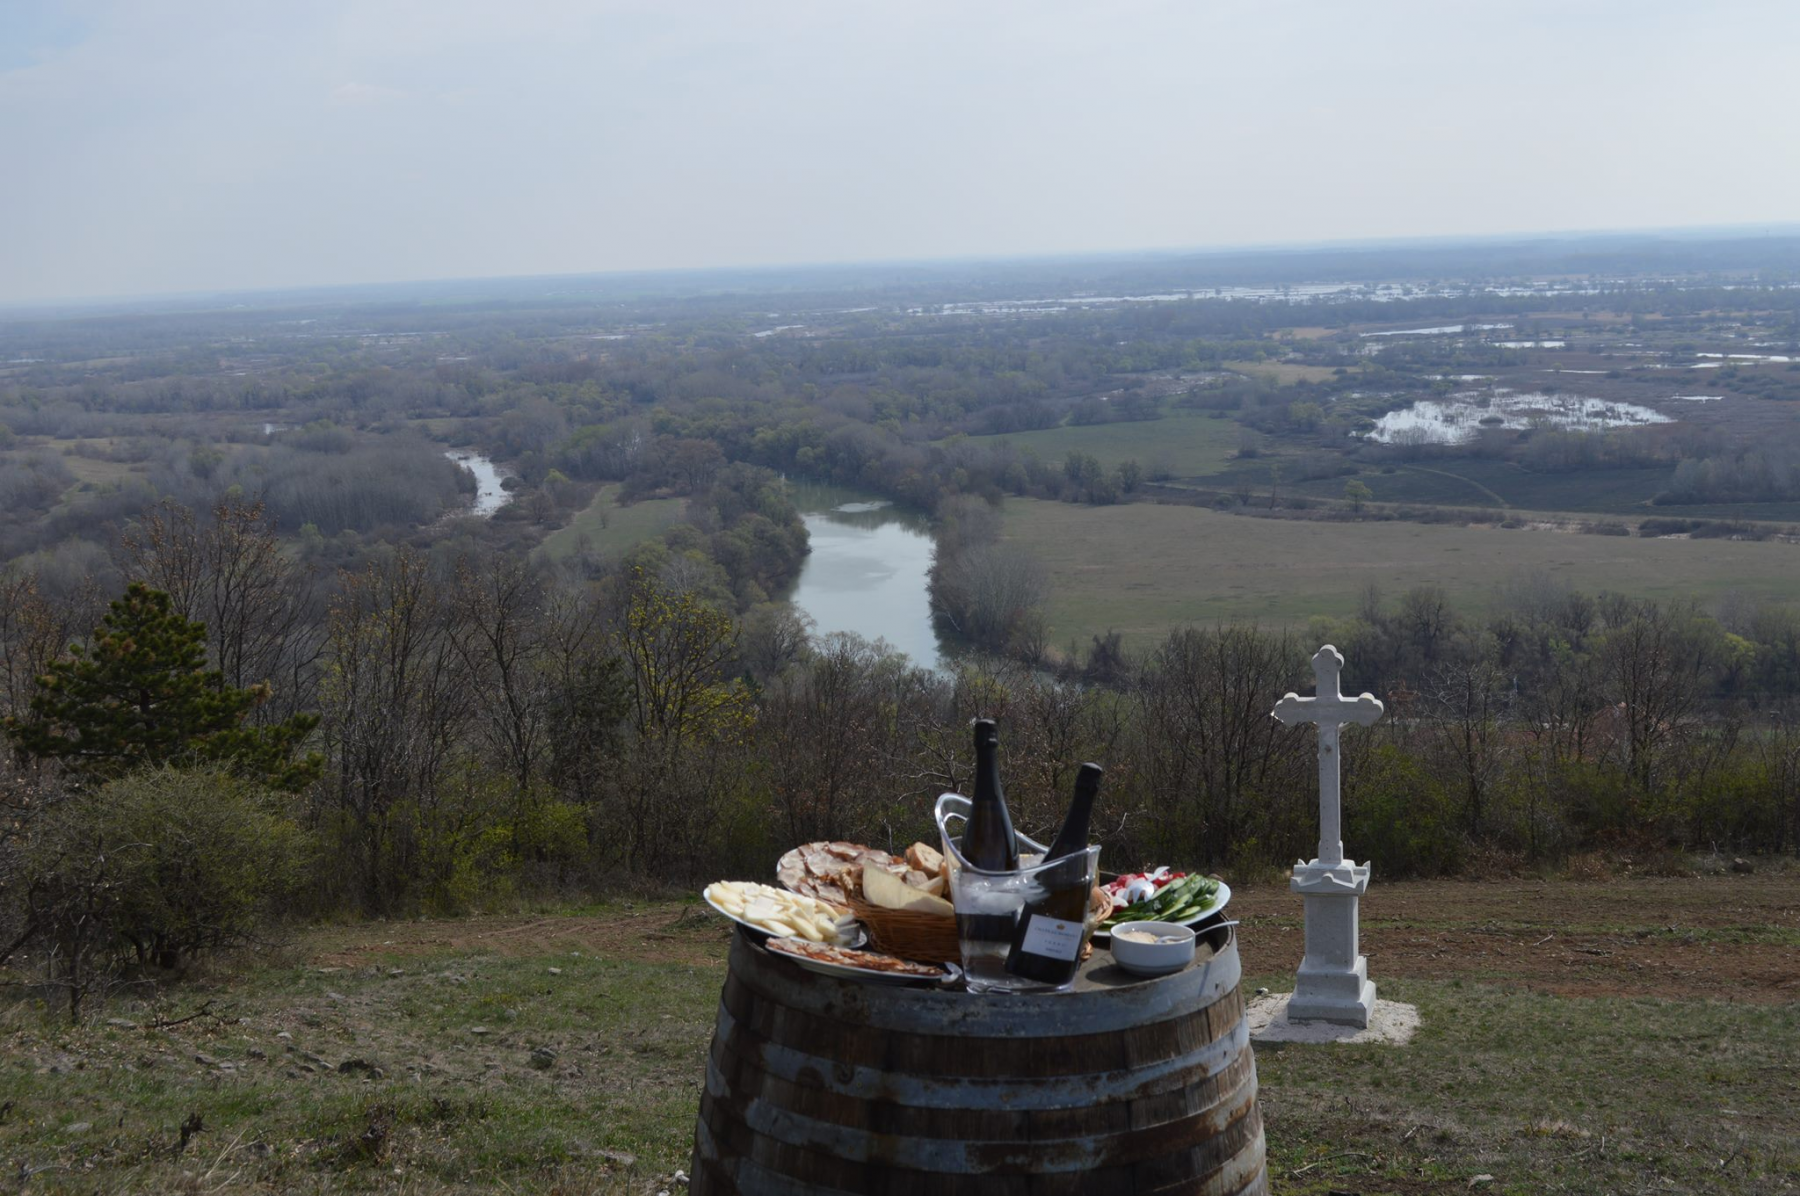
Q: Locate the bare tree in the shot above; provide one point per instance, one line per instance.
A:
(232, 574)
(497, 628)
(395, 699)
(688, 720)
(828, 734)
(1215, 764)
(587, 696)
(1053, 728)
(33, 632)
(1652, 661)
(1467, 702)
(774, 636)
(984, 591)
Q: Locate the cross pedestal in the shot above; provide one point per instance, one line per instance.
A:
(1333, 984)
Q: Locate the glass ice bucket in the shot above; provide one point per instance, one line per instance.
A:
(989, 906)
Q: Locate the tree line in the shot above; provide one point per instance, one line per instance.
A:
(440, 734)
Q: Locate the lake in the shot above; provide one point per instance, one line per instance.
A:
(867, 571)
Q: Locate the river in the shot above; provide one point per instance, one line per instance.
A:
(868, 570)
(489, 495)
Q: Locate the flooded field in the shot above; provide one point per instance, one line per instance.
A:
(1464, 415)
(1445, 330)
(1748, 356)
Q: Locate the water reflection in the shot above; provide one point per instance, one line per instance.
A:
(867, 572)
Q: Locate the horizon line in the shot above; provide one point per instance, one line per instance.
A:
(1737, 231)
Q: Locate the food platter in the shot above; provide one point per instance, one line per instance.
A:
(829, 870)
(1212, 910)
(947, 973)
(758, 933)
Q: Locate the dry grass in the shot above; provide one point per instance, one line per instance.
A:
(1142, 569)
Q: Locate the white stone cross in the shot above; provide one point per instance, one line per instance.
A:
(1331, 710)
(1333, 983)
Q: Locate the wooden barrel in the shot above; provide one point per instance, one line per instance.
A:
(817, 1086)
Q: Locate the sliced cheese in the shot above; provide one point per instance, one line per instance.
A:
(890, 892)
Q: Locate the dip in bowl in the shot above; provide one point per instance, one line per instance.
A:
(1152, 948)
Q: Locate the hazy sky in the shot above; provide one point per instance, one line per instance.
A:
(168, 145)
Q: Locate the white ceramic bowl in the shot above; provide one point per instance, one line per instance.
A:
(1153, 959)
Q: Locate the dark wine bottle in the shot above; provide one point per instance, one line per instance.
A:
(1073, 836)
(1046, 944)
(988, 841)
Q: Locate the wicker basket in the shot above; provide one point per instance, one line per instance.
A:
(931, 938)
(908, 933)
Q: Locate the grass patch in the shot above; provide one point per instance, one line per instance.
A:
(96, 472)
(1142, 569)
(1642, 1085)
(1284, 373)
(92, 469)
(350, 1079)
(1180, 444)
(610, 529)
(1669, 1095)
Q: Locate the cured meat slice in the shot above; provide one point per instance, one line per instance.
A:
(867, 961)
(832, 871)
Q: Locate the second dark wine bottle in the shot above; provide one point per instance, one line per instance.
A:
(988, 844)
(1073, 836)
(1046, 944)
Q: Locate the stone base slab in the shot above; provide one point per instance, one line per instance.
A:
(1311, 1004)
(1390, 1023)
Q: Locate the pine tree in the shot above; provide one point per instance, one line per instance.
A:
(140, 694)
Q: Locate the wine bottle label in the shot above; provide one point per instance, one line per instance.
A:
(1052, 937)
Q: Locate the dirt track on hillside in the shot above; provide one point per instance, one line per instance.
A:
(1725, 938)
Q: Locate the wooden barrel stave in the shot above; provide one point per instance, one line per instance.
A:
(1050, 1140)
(819, 1087)
(757, 1056)
(1195, 1172)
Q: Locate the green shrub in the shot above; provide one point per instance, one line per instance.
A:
(1599, 803)
(159, 866)
(1400, 818)
(475, 841)
(1739, 805)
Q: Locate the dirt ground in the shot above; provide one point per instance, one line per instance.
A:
(1728, 938)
